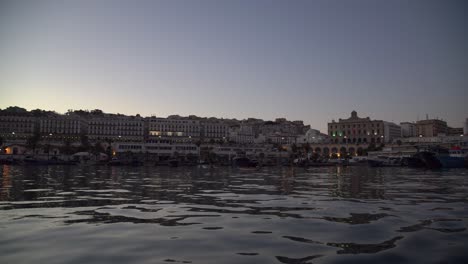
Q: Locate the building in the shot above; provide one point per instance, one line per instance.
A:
(282, 139)
(408, 129)
(13, 128)
(214, 129)
(465, 128)
(431, 127)
(391, 131)
(116, 128)
(176, 129)
(455, 131)
(243, 134)
(63, 127)
(312, 136)
(360, 130)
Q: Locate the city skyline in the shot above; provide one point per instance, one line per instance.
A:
(325, 131)
(312, 61)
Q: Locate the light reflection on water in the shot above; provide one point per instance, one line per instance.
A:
(61, 214)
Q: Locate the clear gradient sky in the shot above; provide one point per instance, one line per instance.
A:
(311, 60)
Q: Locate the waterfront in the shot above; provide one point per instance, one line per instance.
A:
(99, 214)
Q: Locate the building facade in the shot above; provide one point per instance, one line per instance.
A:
(408, 129)
(431, 128)
(455, 131)
(63, 127)
(391, 131)
(312, 136)
(17, 127)
(358, 130)
(173, 127)
(214, 130)
(243, 134)
(116, 128)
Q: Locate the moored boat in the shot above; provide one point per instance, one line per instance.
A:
(244, 162)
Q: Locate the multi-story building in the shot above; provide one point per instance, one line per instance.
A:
(312, 136)
(116, 128)
(242, 134)
(361, 130)
(391, 131)
(408, 129)
(214, 129)
(173, 128)
(431, 127)
(63, 127)
(14, 127)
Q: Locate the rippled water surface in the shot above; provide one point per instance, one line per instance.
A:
(71, 214)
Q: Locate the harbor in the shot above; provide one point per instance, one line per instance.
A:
(58, 214)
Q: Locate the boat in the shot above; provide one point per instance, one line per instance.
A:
(385, 161)
(30, 160)
(244, 162)
(301, 162)
(336, 161)
(453, 158)
(357, 161)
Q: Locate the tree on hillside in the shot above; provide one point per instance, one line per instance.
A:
(96, 112)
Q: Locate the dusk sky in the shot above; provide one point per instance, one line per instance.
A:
(308, 60)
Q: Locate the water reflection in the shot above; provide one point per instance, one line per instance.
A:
(234, 216)
(6, 184)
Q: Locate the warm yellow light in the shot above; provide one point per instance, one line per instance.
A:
(8, 150)
(113, 153)
(338, 155)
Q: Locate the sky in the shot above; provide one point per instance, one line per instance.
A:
(308, 60)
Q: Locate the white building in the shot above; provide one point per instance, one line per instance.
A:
(17, 127)
(408, 129)
(312, 136)
(214, 130)
(62, 127)
(116, 128)
(391, 131)
(173, 127)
